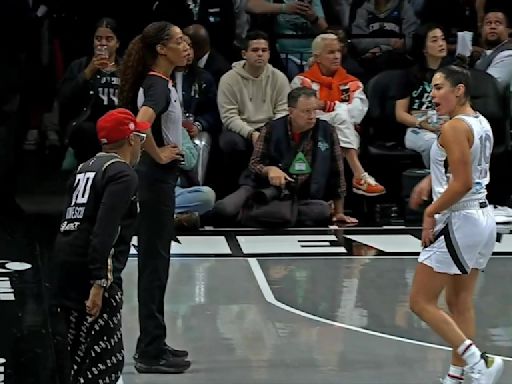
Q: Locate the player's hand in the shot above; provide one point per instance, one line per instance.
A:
(421, 193)
(427, 230)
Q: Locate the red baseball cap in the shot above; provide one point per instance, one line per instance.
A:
(117, 125)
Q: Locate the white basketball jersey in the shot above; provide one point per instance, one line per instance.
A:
(480, 160)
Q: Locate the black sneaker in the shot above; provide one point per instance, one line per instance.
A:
(166, 364)
(179, 353)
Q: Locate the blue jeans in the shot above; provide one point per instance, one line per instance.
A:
(420, 140)
(200, 199)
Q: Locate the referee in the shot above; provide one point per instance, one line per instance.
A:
(87, 290)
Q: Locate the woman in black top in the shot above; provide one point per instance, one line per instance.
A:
(147, 89)
(89, 89)
(414, 107)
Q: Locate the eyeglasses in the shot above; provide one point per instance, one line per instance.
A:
(141, 136)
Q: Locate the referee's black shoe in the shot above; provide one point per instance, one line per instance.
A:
(165, 364)
(178, 353)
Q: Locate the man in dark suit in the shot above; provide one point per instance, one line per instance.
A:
(198, 98)
(205, 56)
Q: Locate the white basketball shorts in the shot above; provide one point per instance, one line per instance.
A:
(464, 240)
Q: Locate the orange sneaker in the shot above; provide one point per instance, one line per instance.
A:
(366, 185)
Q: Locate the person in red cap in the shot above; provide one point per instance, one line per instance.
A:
(91, 251)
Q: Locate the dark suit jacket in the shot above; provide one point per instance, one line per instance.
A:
(199, 94)
(216, 65)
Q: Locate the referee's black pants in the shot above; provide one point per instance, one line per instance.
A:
(155, 234)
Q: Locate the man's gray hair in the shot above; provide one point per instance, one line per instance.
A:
(296, 93)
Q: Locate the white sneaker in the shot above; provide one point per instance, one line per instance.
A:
(487, 373)
(500, 219)
(502, 211)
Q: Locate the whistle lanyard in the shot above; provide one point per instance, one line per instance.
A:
(154, 73)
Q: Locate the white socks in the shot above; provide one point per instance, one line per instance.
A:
(455, 375)
(470, 353)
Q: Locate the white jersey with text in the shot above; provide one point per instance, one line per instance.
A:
(480, 160)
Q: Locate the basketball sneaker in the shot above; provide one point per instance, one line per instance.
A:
(487, 371)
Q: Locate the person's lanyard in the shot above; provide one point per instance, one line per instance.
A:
(300, 165)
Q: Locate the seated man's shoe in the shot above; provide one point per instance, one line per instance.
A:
(187, 222)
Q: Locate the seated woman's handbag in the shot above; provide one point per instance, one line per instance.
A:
(270, 207)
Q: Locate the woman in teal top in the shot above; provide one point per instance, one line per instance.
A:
(304, 17)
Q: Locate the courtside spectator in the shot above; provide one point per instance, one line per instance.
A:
(342, 103)
(296, 161)
(497, 57)
(389, 25)
(301, 20)
(415, 108)
(206, 57)
(89, 89)
(249, 96)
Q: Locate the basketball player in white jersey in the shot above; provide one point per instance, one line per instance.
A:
(459, 230)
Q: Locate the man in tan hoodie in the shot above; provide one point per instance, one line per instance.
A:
(250, 95)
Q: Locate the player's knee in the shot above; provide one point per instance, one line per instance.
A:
(418, 304)
(459, 305)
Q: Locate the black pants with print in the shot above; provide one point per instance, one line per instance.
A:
(96, 352)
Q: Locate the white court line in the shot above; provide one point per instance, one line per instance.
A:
(306, 257)
(269, 296)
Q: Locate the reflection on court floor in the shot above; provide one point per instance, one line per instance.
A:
(311, 307)
(297, 306)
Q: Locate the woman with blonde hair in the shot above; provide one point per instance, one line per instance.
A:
(342, 103)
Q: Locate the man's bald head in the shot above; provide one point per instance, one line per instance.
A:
(200, 39)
